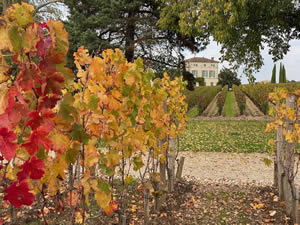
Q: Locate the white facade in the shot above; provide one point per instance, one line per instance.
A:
(203, 67)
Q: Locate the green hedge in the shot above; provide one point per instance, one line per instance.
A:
(259, 93)
(221, 99)
(240, 98)
(201, 97)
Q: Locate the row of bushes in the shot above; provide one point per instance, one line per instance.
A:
(221, 99)
(240, 98)
(201, 97)
(259, 93)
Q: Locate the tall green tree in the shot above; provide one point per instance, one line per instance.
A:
(130, 25)
(228, 77)
(283, 74)
(273, 79)
(242, 27)
(281, 79)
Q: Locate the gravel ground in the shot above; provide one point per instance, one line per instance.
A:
(229, 168)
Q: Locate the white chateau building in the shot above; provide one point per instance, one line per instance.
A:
(203, 67)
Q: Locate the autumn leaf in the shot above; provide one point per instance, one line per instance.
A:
(5, 43)
(42, 120)
(7, 146)
(60, 141)
(4, 95)
(67, 110)
(37, 137)
(18, 194)
(32, 168)
(47, 102)
(82, 56)
(20, 14)
(129, 79)
(60, 43)
(79, 134)
(29, 77)
(74, 198)
(31, 38)
(53, 84)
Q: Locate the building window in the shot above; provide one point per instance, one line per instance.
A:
(211, 83)
(204, 73)
(195, 73)
(212, 65)
(211, 74)
(204, 65)
(195, 65)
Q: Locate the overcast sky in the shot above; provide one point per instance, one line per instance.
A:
(291, 62)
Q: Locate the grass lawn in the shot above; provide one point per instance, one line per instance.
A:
(225, 136)
(229, 110)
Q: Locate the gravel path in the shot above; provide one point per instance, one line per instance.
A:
(229, 168)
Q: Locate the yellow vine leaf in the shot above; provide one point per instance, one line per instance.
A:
(3, 97)
(129, 79)
(5, 43)
(82, 56)
(20, 14)
(103, 199)
(31, 38)
(291, 114)
(60, 141)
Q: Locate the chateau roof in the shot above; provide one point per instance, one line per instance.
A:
(201, 60)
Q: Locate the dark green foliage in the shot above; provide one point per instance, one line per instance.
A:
(189, 77)
(240, 98)
(283, 74)
(201, 97)
(228, 77)
(280, 74)
(130, 26)
(273, 79)
(200, 81)
(221, 99)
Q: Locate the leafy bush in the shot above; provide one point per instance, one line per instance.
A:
(221, 99)
(259, 93)
(240, 98)
(201, 97)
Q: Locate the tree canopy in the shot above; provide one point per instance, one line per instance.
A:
(242, 27)
(228, 77)
(130, 26)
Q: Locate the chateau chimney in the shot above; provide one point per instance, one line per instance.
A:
(212, 58)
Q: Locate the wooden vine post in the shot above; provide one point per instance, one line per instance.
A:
(288, 134)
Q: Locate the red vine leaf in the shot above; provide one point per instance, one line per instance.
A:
(47, 102)
(29, 77)
(54, 83)
(41, 119)
(18, 194)
(37, 137)
(32, 168)
(7, 147)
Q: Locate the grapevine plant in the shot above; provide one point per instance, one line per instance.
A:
(54, 130)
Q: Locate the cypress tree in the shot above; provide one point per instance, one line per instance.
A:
(283, 75)
(280, 74)
(273, 79)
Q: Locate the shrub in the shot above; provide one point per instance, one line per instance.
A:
(221, 99)
(240, 98)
